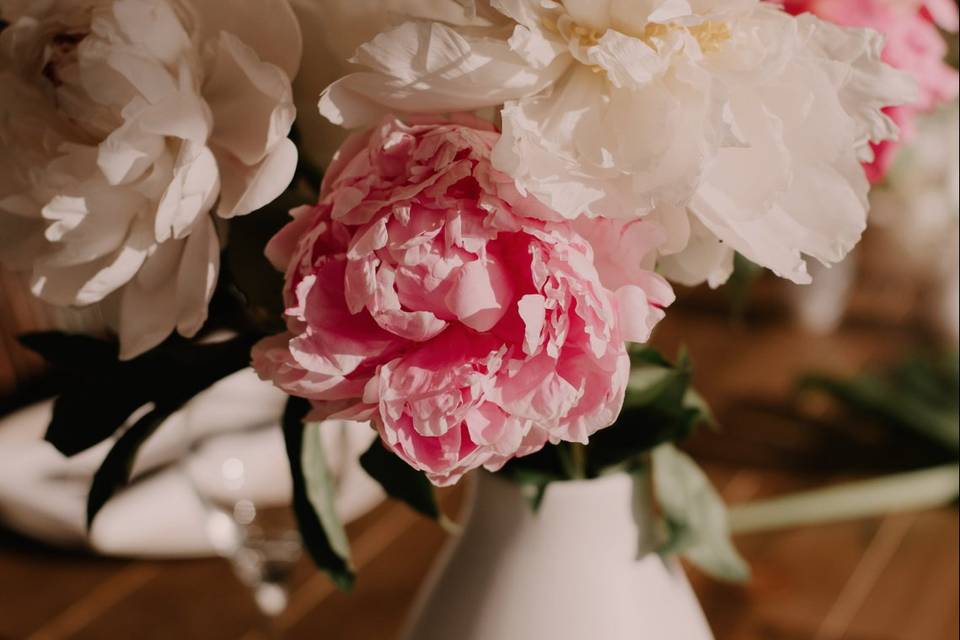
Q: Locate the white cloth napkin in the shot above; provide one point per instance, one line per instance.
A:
(225, 443)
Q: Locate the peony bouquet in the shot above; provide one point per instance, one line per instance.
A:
(476, 268)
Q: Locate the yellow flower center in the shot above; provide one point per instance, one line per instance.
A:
(710, 35)
(573, 32)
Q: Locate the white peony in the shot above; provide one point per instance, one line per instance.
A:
(337, 28)
(127, 129)
(919, 208)
(740, 127)
(920, 203)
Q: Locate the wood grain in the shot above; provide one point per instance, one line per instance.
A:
(891, 578)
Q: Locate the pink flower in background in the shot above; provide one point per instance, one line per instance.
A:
(468, 322)
(913, 44)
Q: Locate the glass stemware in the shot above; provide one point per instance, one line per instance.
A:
(247, 522)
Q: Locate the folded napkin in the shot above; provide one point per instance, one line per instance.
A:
(224, 445)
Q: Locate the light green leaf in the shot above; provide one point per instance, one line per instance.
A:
(646, 383)
(321, 530)
(695, 516)
(321, 490)
(693, 400)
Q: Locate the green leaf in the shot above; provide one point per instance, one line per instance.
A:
(72, 352)
(660, 407)
(919, 395)
(114, 473)
(251, 277)
(100, 392)
(695, 402)
(647, 383)
(654, 380)
(930, 488)
(535, 472)
(322, 532)
(533, 482)
(87, 415)
(740, 285)
(400, 480)
(695, 516)
(642, 355)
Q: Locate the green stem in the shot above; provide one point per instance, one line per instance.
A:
(573, 460)
(579, 454)
(910, 491)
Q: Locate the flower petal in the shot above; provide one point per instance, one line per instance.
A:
(423, 67)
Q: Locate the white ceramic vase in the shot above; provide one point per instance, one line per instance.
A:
(582, 568)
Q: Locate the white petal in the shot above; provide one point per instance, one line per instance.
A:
(148, 305)
(153, 26)
(88, 228)
(560, 146)
(629, 62)
(251, 102)
(269, 27)
(180, 115)
(150, 78)
(128, 152)
(190, 194)
(704, 259)
(430, 68)
(244, 189)
(864, 82)
(92, 282)
(589, 13)
(197, 277)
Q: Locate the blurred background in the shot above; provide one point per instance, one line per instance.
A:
(803, 400)
(851, 379)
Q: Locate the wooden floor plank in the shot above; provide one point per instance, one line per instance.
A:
(877, 581)
(37, 584)
(918, 586)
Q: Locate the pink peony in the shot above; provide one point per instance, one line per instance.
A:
(470, 324)
(913, 44)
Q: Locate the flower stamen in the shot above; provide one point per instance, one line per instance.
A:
(710, 35)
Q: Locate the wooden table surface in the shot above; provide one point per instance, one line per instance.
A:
(889, 578)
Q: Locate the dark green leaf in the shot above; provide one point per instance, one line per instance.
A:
(918, 396)
(72, 352)
(533, 483)
(101, 393)
(114, 473)
(322, 533)
(308, 176)
(85, 416)
(740, 285)
(254, 280)
(641, 356)
(698, 404)
(536, 471)
(660, 407)
(400, 480)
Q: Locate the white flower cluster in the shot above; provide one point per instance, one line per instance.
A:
(127, 128)
(737, 126)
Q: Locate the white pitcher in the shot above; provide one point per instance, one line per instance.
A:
(581, 568)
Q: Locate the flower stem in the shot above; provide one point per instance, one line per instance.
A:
(910, 491)
(579, 454)
(573, 459)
